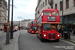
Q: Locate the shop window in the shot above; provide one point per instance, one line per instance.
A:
(65, 19)
(74, 16)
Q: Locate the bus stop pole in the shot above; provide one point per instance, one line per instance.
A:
(11, 35)
(7, 34)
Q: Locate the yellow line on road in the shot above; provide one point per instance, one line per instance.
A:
(33, 34)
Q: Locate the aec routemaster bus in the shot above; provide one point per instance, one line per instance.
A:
(5, 27)
(28, 28)
(33, 26)
(47, 25)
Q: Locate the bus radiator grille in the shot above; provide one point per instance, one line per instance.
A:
(51, 36)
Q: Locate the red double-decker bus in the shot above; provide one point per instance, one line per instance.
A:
(47, 25)
(32, 27)
(28, 28)
(5, 27)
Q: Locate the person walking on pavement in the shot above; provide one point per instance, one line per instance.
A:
(62, 31)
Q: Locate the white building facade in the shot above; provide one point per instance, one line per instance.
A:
(3, 13)
(68, 10)
(23, 22)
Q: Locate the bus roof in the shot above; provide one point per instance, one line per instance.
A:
(34, 21)
(5, 23)
(50, 9)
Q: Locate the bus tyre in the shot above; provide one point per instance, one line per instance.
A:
(41, 38)
(57, 40)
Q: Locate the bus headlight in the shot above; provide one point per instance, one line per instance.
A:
(58, 35)
(44, 35)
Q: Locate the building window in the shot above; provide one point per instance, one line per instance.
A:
(74, 2)
(48, 7)
(67, 4)
(60, 5)
(48, 1)
(45, 2)
(41, 5)
(38, 12)
(51, 6)
(55, 6)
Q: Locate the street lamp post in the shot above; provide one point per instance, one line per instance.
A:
(62, 18)
(7, 34)
(19, 21)
(11, 35)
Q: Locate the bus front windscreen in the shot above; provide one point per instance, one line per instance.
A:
(34, 28)
(34, 22)
(49, 27)
(46, 27)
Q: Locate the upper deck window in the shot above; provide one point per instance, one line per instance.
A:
(34, 22)
(55, 13)
(47, 13)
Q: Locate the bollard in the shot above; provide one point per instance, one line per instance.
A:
(69, 36)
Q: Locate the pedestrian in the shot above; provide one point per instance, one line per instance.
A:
(74, 32)
(62, 31)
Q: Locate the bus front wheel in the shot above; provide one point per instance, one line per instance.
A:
(57, 40)
(41, 38)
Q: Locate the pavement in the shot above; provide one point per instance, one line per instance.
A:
(14, 42)
(13, 45)
(1, 32)
(72, 38)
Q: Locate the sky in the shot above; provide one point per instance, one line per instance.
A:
(24, 9)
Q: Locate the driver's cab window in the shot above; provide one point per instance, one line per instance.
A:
(53, 27)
